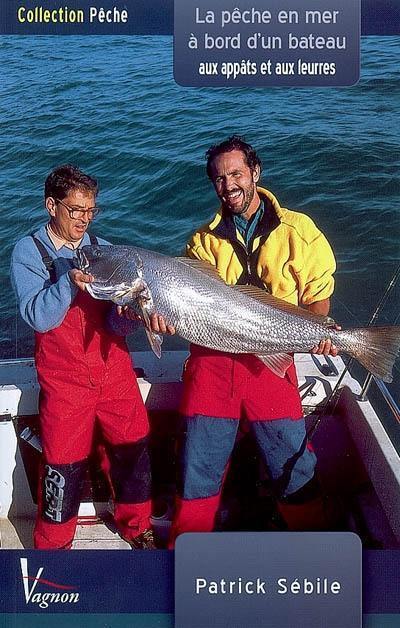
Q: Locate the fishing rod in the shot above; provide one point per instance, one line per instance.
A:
(333, 398)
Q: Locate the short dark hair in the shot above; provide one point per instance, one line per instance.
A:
(235, 142)
(65, 178)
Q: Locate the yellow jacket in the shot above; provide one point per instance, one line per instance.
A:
(289, 256)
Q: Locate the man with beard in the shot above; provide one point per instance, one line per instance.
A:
(251, 240)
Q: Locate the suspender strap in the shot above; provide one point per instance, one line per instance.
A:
(48, 261)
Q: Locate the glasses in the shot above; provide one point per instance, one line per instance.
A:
(79, 213)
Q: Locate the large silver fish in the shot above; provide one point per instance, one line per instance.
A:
(238, 319)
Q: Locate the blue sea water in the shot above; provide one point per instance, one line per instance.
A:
(110, 105)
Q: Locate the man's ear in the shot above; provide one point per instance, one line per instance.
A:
(256, 174)
(51, 205)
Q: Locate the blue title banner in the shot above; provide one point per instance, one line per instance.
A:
(87, 17)
(142, 17)
(33, 581)
(269, 581)
(275, 43)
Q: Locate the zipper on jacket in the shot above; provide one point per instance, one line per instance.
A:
(248, 267)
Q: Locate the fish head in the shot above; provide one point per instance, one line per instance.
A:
(117, 273)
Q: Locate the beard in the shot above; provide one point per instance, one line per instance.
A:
(239, 208)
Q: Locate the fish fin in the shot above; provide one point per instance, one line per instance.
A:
(154, 339)
(267, 299)
(277, 362)
(95, 292)
(121, 294)
(203, 267)
(376, 348)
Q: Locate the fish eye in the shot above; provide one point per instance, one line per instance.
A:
(97, 252)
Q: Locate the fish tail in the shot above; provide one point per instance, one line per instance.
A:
(377, 348)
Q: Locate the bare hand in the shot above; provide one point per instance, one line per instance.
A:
(159, 326)
(325, 347)
(79, 278)
(157, 322)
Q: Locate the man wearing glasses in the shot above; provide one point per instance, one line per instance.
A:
(84, 371)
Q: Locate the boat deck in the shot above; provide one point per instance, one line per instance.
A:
(357, 463)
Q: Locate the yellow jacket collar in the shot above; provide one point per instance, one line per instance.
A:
(264, 194)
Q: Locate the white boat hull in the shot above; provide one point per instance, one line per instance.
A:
(353, 448)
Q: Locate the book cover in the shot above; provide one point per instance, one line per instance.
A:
(135, 93)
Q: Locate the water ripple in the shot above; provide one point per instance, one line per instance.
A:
(110, 105)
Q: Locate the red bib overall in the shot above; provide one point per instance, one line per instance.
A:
(86, 376)
(219, 390)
